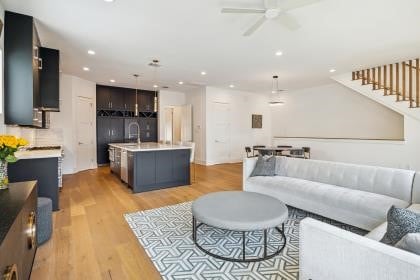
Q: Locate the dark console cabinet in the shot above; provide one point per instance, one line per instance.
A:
(18, 245)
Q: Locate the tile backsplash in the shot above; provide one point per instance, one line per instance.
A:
(38, 137)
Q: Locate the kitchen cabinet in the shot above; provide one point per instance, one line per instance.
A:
(103, 138)
(44, 170)
(18, 229)
(49, 86)
(117, 130)
(147, 100)
(21, 70)
(102, 98)
(117, 99)
(130, 99)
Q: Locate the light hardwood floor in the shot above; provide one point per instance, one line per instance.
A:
(91, 239)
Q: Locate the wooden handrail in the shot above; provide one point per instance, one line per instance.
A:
(401, 79)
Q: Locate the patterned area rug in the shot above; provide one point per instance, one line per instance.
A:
(165, 233)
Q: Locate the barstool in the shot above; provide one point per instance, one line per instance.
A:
(44, 220)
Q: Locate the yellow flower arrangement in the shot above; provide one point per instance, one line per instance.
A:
(9, 144)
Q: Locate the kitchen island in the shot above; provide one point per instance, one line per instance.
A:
(150, 166)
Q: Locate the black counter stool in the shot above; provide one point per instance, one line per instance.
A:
(44, 220)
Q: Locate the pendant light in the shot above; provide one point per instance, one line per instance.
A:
(275, 91)
(156, 65)
(136, 106)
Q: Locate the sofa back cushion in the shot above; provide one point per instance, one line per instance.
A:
(416, 189)
(397, 183)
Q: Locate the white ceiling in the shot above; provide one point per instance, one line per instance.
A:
(190, 36)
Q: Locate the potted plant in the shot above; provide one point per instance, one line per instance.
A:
(9, 144)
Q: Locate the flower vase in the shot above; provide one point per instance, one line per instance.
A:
(4, 180)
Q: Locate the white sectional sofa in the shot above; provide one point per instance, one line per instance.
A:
(357, 195)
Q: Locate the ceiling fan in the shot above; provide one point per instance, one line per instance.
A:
(274, 9)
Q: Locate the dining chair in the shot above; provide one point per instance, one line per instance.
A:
(298, 153)
(257, 146)
(280, 153)
(307, 152)
(248, 151)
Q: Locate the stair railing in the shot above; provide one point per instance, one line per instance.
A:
(401, 79)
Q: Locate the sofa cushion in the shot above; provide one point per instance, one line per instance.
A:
(400, 222)
(396, 183)
(410, 242)
(322, 197)
(379, 232)
(265, 166)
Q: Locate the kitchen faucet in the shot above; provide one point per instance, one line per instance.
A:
(138, 131)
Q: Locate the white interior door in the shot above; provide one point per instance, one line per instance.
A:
(85, 134)
(221, 115)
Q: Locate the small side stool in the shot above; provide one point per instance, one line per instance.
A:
(44, 220)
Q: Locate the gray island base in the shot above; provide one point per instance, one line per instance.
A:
(153, 166)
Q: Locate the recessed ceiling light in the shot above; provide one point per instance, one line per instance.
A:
(91, 52)
(155, 86)
(112, 81)
(86, 68)
(279, 53)
(231, 86)
(109, 1)
(181, 82)
(332, 70)
(203, 73)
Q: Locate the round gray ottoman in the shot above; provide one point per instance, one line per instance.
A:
(241, 212)
(44, 220)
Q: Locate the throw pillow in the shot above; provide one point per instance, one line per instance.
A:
(410, 242)
(400, 222)
(265, 166)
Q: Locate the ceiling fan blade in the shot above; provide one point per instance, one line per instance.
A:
(255, 26)
(242, 11)
(287, 5)
(288, 21)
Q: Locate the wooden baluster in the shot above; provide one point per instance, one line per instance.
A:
(374, 78)
(379, 78)
(363, 77)
(410, 83)
(403, 81)
(353, 76)
(397, 81)
(417, 82)
(391, 79)
(385, 81)
(368, 76)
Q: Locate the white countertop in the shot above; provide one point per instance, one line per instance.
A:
(149, 146)
(38, 154)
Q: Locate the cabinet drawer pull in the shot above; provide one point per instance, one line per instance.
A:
(40, 63)
(31, 230)
(11, 273)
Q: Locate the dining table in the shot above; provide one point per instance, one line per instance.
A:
(275, 150)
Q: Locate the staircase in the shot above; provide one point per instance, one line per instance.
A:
(396, 85)
(400, 80)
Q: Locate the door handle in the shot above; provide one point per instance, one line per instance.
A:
(111, 104)
(80, 143)
(40, 63)
(109, 132)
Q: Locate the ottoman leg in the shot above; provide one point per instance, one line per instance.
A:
(194, 233)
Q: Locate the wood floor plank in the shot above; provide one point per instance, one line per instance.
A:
(91, 239)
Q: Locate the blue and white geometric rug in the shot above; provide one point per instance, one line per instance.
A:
(165, 234)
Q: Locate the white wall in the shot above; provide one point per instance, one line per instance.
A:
(334, 111)
(197, 98)
(70, 88)
(242, 106)
(168, 98)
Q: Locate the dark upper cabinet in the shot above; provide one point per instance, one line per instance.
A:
(103, 100)
(130, 99)
(147, 99)
(49, 86)
(117, 98)
(21, 69)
